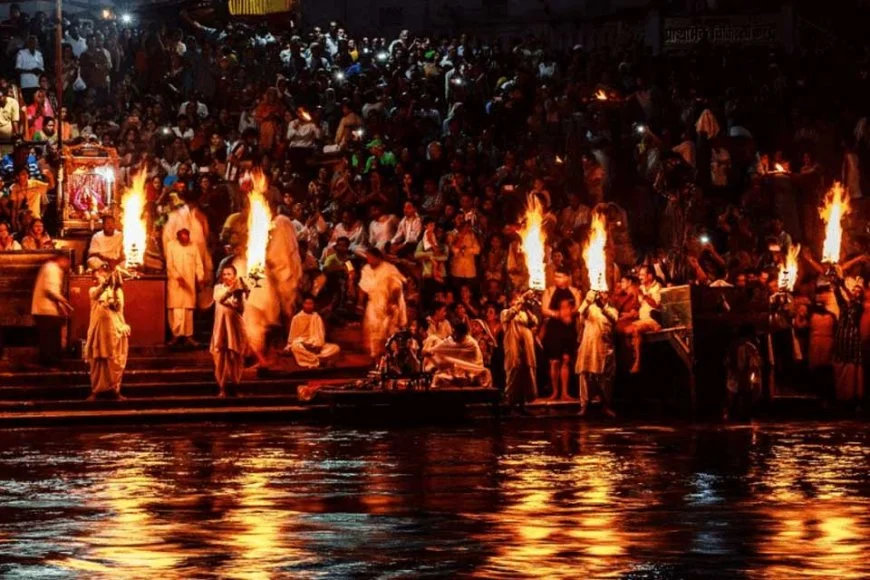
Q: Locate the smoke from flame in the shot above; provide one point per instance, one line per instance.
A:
(835, 208)
(594, 255)
(533, 242)
(259, 222)
(134, 225)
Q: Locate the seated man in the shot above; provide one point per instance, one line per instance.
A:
(307, 339)
(458, 360)
(107, 246)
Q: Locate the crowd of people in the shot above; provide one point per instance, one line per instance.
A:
(399, 172)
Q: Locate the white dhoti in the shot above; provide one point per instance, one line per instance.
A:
(310, 359)
(458, 363)
(181, 322)
(229, 366)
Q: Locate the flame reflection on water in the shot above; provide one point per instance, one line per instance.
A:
(551, 500)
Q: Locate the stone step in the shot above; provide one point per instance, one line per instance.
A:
(137, 400)
(167, 387)
(186, 414)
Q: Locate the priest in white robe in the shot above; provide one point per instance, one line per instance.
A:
(596, 364)
(385, 311)
(184, 270)
(107, 343)
(458, 361)
(107, 246)
(228, 340)
(307, 338)
(185, 216)
(520, 361)
(283, 264)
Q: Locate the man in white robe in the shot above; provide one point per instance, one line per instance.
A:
(438, 330)
(596, 365)
(520, 361)
(189, 217)
(283, 263)
(107, 343)
(307, 338)
(385, 312)
(107, 246)
(228, 340)
(184, 270)
(458, 360)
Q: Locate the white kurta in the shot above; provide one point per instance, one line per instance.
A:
(109, 247)
(385, 310)
(307, 340)
(228, 340)
(107, 343)
(596, 345)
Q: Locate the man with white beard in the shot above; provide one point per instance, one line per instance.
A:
(385, 312)
(184, 271)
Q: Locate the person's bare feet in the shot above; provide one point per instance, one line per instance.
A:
(222, 394)
(582, 411)
(92, 398)
(609, 412)
(635, 369)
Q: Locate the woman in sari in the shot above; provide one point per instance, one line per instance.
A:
(107, 345)
(37, 238)
(37, 112)
(268, 114)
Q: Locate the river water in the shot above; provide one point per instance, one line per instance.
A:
(532, 498)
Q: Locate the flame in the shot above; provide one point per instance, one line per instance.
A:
(135, 226)
(788, 270)
(305, 115)
(594, 256)
(835, 209)
(259, 222)
(533, 242)
(778, 168)
(600, 95)
(559, 160)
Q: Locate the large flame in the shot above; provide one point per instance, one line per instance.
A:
(836, 206)
(788, 270)
(259, 222)
(135, 226)
(594, 255)
(533, 243)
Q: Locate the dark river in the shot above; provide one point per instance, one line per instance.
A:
(532, 498)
